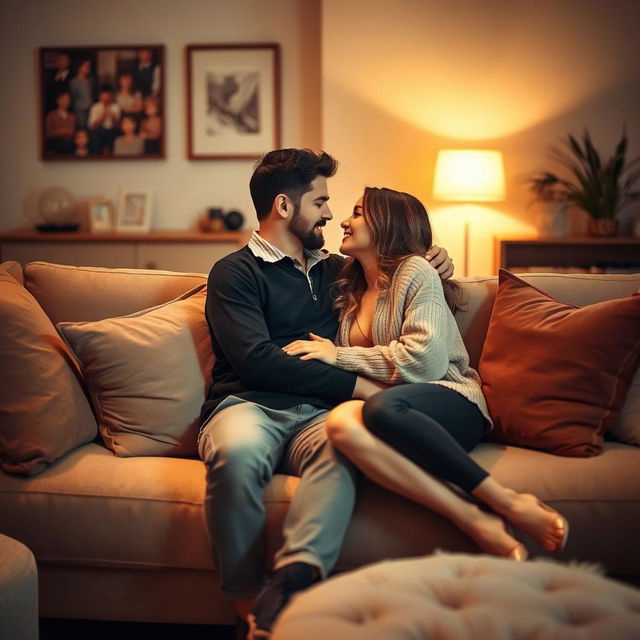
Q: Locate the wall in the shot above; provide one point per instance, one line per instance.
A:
(404, 79)
(182, 189)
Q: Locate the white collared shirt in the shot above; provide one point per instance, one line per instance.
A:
(264, 250)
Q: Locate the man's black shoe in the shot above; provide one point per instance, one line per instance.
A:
(276, 595)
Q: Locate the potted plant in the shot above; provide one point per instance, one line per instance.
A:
(600, 188)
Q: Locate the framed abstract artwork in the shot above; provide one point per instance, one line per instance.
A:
(233, 100)
(102, 103)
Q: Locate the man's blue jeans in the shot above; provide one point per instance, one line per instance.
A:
(242, 444)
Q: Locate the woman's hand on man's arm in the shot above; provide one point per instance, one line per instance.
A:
(315, 349)
(324, 350)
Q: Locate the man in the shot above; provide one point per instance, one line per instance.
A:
(267, 409)
(104, 121)
(57, 81)
(146, 74)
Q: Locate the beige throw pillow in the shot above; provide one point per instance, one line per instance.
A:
(44, 412)
(148, 374)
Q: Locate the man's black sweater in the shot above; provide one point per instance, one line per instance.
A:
(253, 309)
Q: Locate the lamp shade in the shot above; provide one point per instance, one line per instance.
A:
(469, 176)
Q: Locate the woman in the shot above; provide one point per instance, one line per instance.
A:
(128, 99)
(397, 327)
(82, 88)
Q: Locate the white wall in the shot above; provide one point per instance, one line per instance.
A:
(403, 79)
(182, 189)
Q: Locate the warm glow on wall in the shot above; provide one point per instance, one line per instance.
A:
(485, 72)
(469, 176)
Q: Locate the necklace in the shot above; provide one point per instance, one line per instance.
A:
(364, 335)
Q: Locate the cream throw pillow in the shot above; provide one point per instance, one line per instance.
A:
(44, 412)
(148, 374)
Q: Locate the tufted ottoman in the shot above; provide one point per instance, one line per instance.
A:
(18, 591)
(464, 597)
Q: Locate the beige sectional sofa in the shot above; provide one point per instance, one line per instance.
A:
(124, 538)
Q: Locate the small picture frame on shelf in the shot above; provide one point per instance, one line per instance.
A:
(233, 100)
(101, 215)
(134, 211)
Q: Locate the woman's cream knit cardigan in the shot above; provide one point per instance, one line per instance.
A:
(416, 338)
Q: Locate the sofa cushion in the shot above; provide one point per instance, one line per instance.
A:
(95, 509)
(555, 376)
(43, 409)
(85, 294)
(148, 374)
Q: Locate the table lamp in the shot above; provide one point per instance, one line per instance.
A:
(469, 176)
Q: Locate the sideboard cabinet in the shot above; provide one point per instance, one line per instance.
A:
(568, 254)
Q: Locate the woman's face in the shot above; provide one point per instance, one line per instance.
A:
(128, 125)
(357, 238)
(81, 138)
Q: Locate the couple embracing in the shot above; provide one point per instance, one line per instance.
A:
(326, 366)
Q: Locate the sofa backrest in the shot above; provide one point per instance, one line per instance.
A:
(86, 294)
(77, 294)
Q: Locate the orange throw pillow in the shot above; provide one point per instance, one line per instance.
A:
(555, 376)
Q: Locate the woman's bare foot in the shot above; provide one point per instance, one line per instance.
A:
(489, 533)
(540, 521)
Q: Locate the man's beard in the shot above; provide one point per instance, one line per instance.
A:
(309, 238)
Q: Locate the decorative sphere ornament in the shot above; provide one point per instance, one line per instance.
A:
(57, 210)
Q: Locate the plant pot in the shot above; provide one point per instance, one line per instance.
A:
(602, 226)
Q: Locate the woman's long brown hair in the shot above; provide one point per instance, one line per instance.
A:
(400, 228)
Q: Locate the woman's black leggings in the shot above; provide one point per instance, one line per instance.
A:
(431, 425)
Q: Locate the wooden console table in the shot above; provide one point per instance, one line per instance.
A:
(579, 252)
(171, 250)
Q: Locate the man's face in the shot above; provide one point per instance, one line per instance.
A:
(144, 55)
(310, 217)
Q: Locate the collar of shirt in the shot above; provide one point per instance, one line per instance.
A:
(264, 250)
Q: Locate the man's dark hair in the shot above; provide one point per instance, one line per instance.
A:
(288, 171)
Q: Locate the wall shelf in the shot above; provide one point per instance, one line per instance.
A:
(189, 251)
